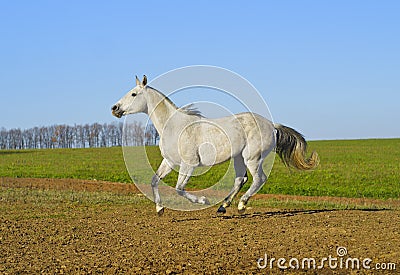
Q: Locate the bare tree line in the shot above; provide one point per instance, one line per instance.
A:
(79, 136)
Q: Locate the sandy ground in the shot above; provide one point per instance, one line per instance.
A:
(131, 238)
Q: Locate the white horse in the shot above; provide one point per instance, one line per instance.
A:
(189, 140)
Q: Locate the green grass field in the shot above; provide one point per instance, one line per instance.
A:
(348, 168)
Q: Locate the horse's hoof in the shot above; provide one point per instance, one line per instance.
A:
(204, 200)
(221, 210)
(160, 210)
(241, 207)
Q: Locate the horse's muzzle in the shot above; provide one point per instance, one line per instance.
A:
(116, 111)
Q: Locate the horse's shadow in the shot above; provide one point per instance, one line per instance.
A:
(287, 213)
(280, 213)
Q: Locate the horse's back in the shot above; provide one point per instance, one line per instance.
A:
(205, 142)
(248, 131)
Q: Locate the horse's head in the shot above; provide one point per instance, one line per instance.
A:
(133, 102)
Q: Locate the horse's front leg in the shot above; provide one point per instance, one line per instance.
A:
(185, 171)
(162, 171)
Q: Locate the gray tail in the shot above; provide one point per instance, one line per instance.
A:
(292, 148)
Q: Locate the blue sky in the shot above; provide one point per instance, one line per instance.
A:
(330, 69)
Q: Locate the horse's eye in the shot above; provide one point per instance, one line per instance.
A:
(134, 94)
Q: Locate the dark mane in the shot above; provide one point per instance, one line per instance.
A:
(190, 110)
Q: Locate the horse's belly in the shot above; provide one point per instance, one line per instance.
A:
(214, 152)
(217, 145)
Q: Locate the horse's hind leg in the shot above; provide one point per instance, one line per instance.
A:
(185, 171)
(259, 177)
(240, 180)
(162, 171)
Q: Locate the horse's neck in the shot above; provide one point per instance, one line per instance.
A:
(160, 109)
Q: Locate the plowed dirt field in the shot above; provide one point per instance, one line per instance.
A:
(70, 226)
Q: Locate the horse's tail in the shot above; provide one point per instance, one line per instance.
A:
(292, 148)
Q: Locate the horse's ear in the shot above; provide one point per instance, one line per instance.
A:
(137, 81)
(144, 82)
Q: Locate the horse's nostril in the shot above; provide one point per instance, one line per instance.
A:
(114, 108)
